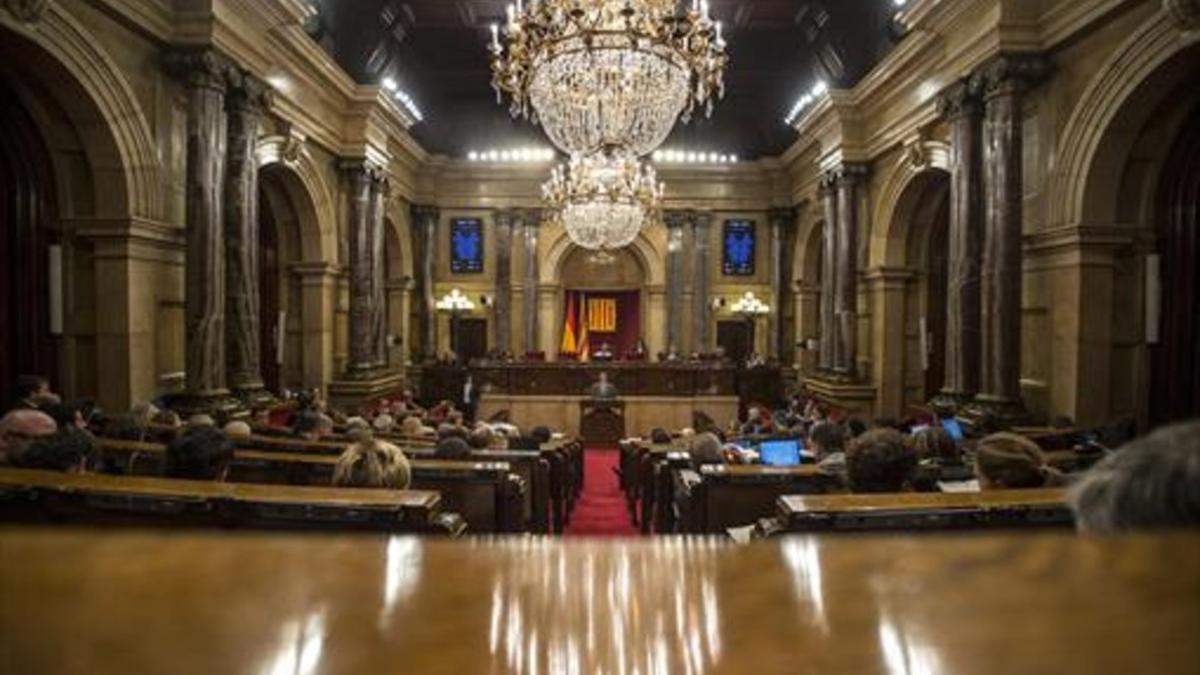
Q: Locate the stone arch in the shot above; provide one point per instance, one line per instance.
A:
(889, 240)
(650, 259)
(120, 147)
(1085, 182)
(299, 176)
(399, 224)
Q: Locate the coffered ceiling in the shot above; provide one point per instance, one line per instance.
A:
(436, 51)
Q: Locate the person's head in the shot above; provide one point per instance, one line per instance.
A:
(201, 420)
(143, 413)
(384, 423)
(453, 447)
(660, 436)
(855, 427)
(879, 461)
(937, 444)
(68, 449)
(168, 418)
(410, 426)
(33, 390)
(370, 463)
(20, 428)
(448, 430)
(481, 438)
(200, 453)
(1153, 482)
(604, 377)
(826, 439)
(237, 430)
(541, 434)
(1006, 460)
(706, 449)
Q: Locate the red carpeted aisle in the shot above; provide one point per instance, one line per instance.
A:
(600, 510)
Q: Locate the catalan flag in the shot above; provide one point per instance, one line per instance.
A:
(570, 344)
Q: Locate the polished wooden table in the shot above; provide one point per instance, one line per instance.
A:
(132, 602)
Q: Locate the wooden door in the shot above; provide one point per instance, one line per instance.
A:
(736, 338)
(268, 295)
(468, 337)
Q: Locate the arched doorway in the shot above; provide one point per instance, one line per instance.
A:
(917, 252)
(615, 280)
(28, 229)
(281, 302)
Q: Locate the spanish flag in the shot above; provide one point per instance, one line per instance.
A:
(569, 343)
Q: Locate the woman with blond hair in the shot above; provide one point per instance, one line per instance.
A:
(371, 463)
(1007, 461)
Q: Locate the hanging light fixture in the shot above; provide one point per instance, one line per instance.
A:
(603, 200)
(602, 73)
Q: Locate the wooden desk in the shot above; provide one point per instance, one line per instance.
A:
(1042, 507)
(995, 604)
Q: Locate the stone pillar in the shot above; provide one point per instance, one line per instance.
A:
(656, 319)
(783, 222)
(530, 226)
(425, 219)
(206, 77)
(828, 352)
(701, 267)
(549, 328)
(368, 195)
(318, 305)
(961, 106)
(1002, 81)
(248, 99)
(505, 222)
(808, 302)
(675, 221)
(406, 292)
(846, 270)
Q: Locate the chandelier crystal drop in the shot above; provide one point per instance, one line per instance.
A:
(603, 200)
(603, 73)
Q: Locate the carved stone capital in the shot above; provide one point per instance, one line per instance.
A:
(1185, 13)
(201, 69)
(677, 218)
(25, 11)
(1009, 74)
(361, 169)
(505, 217)
(293, 147)
(961, 99)
(248, 94)
(851, 174)
(782, 217)
(425, 213)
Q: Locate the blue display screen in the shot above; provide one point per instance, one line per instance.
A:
(739, 247)
(780, 452)
(466, 246)
(953, 428)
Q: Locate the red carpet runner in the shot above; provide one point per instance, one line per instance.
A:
(600, 510)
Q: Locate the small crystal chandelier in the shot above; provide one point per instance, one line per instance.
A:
(603, 200)
(603, 73)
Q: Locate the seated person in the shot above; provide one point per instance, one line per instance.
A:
(69, 449)
(879, 461)
(19, 429)
(660, 436)
(65, 415)
(32, 392)
(384, 423)
(759, 421)
(706, 449)
(482, 437)
(370, 463)
(1008, 461)
(447, 430)
(827, 442)
(854, 427)
(200, 453)
(603, 390)
(938, 458)
(453, 447)
(237, 430)
(412, 427)
(604, 353)
(639, 351)
(311, 425)
(1150, 483)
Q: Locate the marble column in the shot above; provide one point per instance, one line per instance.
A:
(961, 106)
(406, 292)
(675, 221)
(502, 329)
(783, 222)
(828, 344)
(425, 219)
(531, 223)
(366, 276)
(1003, 82)
(380, 194)
(850, 178)
(205, 75)
(248, 99)
(701, 268)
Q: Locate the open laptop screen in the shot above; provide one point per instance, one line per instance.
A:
(785, 452)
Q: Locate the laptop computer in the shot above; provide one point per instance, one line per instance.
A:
(780, 452)
(954, 428)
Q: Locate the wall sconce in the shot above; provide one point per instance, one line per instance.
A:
(718, 304)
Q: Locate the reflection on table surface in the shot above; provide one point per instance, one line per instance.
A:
(104, 601)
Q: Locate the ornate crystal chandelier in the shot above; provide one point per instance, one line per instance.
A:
(603, 73)
(603, 200)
